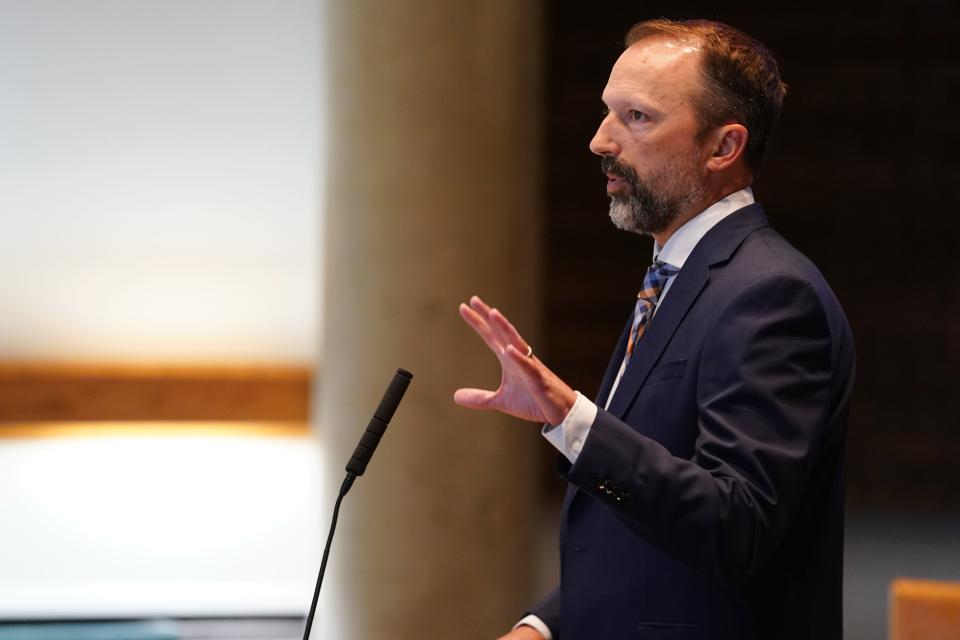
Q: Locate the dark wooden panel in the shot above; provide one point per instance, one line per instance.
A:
(861, 177)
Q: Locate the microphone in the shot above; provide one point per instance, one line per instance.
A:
(379, 422)
(358, 464)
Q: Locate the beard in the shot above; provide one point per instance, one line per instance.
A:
(649, 206)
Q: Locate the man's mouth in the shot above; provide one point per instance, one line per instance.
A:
(615, 182)
(616, 173)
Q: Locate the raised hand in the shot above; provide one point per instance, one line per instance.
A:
(528, 389)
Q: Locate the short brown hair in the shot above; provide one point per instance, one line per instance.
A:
(741, 79)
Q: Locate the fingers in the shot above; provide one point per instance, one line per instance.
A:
(482, 310)
(530, 366)
(508, 334)
(504, 330)
(528, 389)
(473, 398)
(479, 305)
(483, 328)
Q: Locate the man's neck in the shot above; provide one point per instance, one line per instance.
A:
(696, 208)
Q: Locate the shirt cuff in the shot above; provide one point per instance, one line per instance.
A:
(568, 436)
(538, 625)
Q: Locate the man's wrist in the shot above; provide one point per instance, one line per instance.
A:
(569, 436)
(535, 623)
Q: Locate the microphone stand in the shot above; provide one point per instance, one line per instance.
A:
(357, 465)
(347, 483)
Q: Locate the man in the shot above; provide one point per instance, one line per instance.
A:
(706, 493)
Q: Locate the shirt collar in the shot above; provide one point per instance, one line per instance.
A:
(681, 244)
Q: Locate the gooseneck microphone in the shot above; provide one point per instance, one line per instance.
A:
(378, 423)
(358, 464)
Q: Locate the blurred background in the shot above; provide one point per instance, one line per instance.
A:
(224, 223)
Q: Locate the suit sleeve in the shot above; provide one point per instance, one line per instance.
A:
(763, 396)
(548, 610)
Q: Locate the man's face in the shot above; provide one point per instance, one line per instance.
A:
(648, 138)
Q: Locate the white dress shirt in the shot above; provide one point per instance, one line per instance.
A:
(570, 435)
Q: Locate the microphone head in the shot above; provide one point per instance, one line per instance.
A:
(378, 423)
(394, 393)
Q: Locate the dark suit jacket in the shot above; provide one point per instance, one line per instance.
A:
(708, 501)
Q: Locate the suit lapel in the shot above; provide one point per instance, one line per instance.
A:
(715, 247)
(684, 290)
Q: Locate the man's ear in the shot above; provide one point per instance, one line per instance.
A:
(728, 144)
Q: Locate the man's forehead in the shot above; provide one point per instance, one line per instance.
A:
(655, 60)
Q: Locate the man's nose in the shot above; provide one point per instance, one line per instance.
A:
(603, 144)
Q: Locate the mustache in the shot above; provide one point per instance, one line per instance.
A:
(609, 164)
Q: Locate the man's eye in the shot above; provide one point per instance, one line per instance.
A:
(636, 115)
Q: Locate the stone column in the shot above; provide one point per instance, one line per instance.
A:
(433, 180)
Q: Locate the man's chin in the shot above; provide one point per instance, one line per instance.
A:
(625, 216)
(621, 214)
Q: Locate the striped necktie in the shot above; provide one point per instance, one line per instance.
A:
(653, 282)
